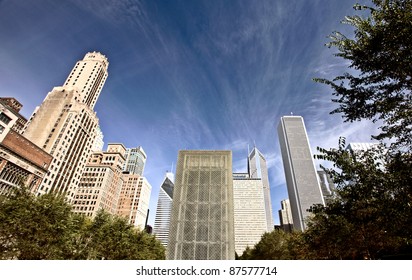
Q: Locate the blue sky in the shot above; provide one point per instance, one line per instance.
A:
(187, 74)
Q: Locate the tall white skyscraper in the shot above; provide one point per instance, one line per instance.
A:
(257, 168)
(163, 210)
(301, 177)
(65, 124)
(88, 77)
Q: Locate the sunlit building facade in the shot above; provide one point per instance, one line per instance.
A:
(22, 163)
(249, 212)
(285, 216)
(135, 161)
(134, 200)
(202, 221)
(163, 210)
(64, 125)
(257, 169)
(101, 182)
(301, 177)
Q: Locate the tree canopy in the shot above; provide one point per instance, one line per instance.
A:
(380, 55)
(370, 216)
(44, 227)
(372, 212)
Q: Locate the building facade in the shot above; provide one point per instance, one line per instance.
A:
(249, 212)
(101, 182)
(21, 161)
(164, 210)
(135, 161)
(12, 106)
(134, 200)
(202, 221)
(301, 177)
(257, 168)
(64, 125)
(285, 216)
(98, 141)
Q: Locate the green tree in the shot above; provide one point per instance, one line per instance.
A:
(34, 227)
(247, 254)
(372, 213)
(44, 227)
(380, 87)
(371, 216)
(113, 238)
(279, 245)
(273, 245)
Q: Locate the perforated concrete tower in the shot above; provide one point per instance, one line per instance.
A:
(202, 221)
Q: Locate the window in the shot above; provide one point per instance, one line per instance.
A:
(1, 129)
(4, 118)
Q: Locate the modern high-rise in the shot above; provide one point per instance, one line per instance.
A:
(164, 210)
(285, 216)
(202, 222)
(249, 211)
(301, 177)
(257, 168)
(135, 161)
(65, 124)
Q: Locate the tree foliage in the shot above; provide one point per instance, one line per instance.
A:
(44, 227)
(277, 245)
(380, 54)
(371, 214)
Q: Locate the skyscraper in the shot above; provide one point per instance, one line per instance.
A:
(134, 199)
(135, 161)
(65, 124)
(202, 222)
(257, 168)
(249, 211)
(101, 182)
(285, 216)
(301, 177)
(163, 210)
